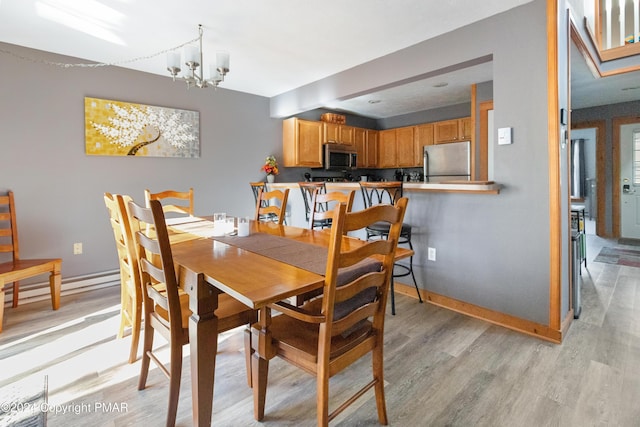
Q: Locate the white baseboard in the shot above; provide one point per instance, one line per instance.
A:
(73, 285)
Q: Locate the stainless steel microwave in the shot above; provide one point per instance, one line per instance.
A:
(340, 157)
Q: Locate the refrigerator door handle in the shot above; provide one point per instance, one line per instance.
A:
(425, 168)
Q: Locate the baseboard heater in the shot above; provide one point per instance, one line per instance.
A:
(72, 285)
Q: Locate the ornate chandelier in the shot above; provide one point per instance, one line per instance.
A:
(193, 61)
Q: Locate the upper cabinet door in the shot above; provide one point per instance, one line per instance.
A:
(387, 148)
(302, 143)
(424, 137)
(346, 135)
(331, 132)
(446, 131)
(372, 149)
(405, 147)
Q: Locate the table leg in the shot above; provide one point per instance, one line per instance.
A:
(203, 340)
(263, 352)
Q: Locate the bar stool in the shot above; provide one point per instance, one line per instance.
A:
(307, 189)
(375, 193)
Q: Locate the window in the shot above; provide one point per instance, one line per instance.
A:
(636, 157)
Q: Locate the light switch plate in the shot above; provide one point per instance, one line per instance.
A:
(505, 136)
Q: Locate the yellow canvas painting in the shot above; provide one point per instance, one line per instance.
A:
(115, 128)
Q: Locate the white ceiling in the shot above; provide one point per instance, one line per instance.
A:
(275, 45)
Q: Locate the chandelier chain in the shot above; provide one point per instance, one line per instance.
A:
(98, 64)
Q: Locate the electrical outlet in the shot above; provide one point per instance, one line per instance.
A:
(77, 248)
(431, 254)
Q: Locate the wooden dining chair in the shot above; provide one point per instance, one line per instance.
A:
(166, 305)
(327, 334)
(180, 202)
(272, 205)
(16, 268)
(130, 289)
(322, 204)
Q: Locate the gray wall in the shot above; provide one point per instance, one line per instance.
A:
(59, 189)
(493, 251)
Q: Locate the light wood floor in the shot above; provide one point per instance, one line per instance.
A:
(442, 368)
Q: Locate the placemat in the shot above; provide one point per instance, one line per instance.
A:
(302, 255)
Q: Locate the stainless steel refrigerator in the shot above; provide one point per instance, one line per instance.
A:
(447, 162)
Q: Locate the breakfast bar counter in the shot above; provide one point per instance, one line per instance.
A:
(479, 187)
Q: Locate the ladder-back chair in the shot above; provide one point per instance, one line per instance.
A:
(17, 268)
(166, 305)
(130, 289)
(329, 333)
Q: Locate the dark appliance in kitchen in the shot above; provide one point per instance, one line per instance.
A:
(447, 162)
(340, 157)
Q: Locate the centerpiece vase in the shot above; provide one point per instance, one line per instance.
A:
(271, 178)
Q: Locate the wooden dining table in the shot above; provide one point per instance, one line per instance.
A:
(244, 268)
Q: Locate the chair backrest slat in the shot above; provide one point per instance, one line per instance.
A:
(184, 199)
(9, 226)
(323, 204)
(272, 205)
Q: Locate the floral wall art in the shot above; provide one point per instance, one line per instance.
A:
(114, 128)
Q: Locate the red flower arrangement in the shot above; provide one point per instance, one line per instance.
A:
(270, 166)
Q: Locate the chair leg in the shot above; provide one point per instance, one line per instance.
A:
(413, 275)
(378, 374)
(136, 325)
(248, 353)
(16, 290)
(146, 359)
(322, 397)
(174, 384)
(393, 298)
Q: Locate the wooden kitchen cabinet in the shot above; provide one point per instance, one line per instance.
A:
(466, 128)
(360, 143)
(339, 134)
(366, 143)
(405, 147)
(387, 148)
(372, 148)
(302, 143)
(347, 135)
(453, 130)
(424, 137)
(397, 148)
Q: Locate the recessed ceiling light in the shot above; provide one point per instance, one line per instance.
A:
(374, 101)
(441, 84)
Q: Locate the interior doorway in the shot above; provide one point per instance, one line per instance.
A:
(594, 189)
(583, 174)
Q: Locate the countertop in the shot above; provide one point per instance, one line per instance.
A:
(479, 187)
